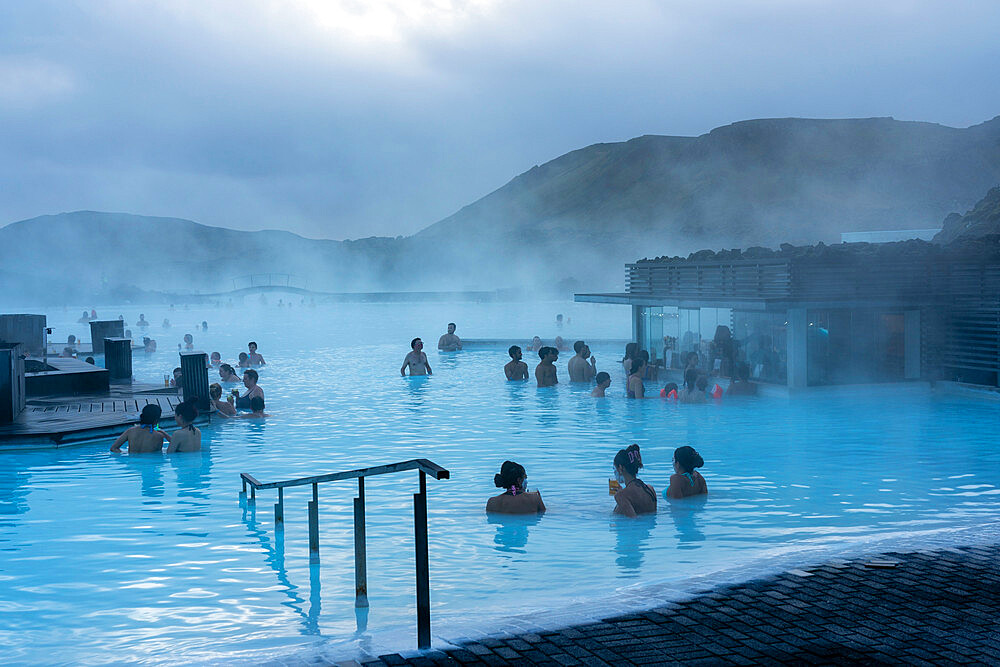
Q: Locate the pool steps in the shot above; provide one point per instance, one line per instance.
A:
(424, 466)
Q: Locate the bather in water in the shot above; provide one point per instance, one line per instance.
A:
(634, 497)
(686, 481)
(516, 499)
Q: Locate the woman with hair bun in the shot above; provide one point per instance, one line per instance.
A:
(634, 497)
(516, 499)
(686, 481)
(187, 438)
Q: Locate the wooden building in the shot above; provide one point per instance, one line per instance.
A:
(824, 315)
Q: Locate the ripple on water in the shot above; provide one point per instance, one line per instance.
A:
(115, 559)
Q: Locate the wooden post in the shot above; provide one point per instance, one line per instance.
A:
(194, 369)
(422, 562)
(360, 549)
(28, 330)
(118, 358)
(11, 382)
(101, 329)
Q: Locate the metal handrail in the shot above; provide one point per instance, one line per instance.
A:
(423, 465)
(425, 468)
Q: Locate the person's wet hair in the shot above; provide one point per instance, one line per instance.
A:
(630, 351)
(254, 343)
(187, 410)
(510, 474)
(413, 343)
(215, 355)
(641, 357)
(150, 414)
(252, 373)
(578, 345)
(244, 356)
(215, 391)
(546, 350)
(690, 378)
(630, 459)
(257, 404)
(602, 377)
(229, 369)
(670, 386)
(513, 349)
(687, 458)
(452, 324)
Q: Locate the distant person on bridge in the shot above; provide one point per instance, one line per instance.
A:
(580, 370)
(515, 368)
(254, 358)
(250, 378)
(142, 323)
(416, 360)
(449, 342)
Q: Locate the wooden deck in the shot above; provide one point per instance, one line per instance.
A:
(67, 420)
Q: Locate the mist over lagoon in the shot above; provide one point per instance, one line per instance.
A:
(413, 332)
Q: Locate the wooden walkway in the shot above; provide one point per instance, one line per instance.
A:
(67, 420)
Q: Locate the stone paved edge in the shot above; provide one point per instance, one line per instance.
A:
(920, 608)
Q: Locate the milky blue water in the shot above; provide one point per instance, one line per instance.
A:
(114, 558)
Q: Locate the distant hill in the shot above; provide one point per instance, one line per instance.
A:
(982, 220)
(759, 182)
(573, 221)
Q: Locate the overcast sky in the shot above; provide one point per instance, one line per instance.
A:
(345, 119)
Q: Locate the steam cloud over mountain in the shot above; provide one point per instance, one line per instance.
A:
(569, 223)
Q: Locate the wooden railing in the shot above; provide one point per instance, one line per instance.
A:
(425, 468)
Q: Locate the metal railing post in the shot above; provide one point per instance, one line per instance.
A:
(360, 549)
(314, 526)
(422, 563)
(279, 510)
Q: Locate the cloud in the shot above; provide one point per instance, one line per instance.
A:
(27, 83)
(352, 118)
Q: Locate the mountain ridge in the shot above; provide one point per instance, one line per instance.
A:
(581, 215)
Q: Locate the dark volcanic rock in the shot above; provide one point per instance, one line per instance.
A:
(982, 220)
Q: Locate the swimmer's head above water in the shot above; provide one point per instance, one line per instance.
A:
(150, 416)
(628, 460)
(415, 342)
(515, 352)
(686, 459)
(511, 478)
